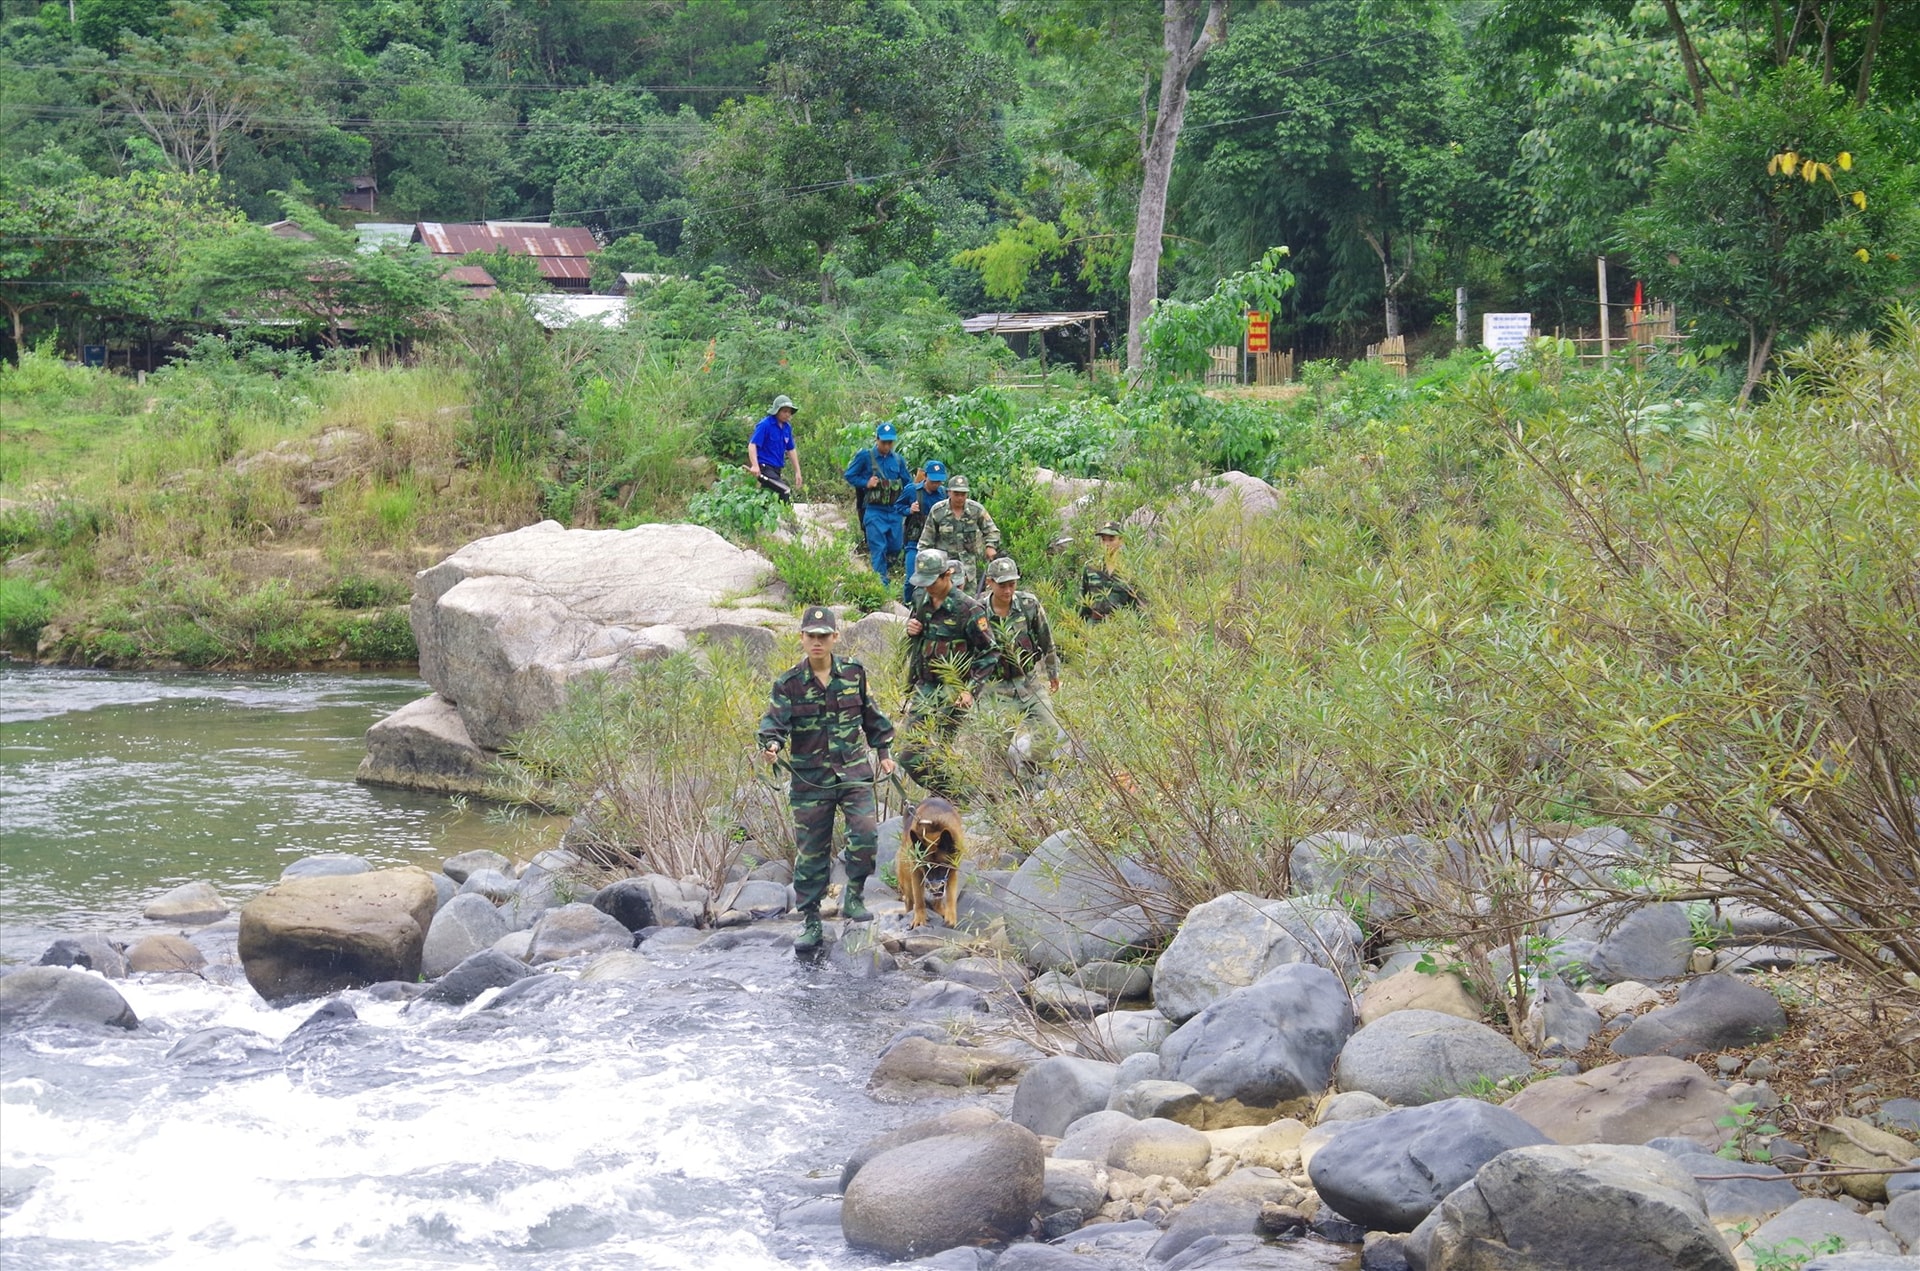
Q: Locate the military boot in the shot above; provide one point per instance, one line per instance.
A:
(811, 934)
(853, 903)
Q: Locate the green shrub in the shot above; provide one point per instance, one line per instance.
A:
(381, 637)
(737, 506)
(358, 591)
(826, 575)
(25, 607)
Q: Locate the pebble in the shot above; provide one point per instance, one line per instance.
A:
(1760, 1069)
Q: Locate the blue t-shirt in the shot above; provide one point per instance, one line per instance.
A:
(771, 442)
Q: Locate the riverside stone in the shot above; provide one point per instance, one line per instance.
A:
(318, 934)
(506, 623)
(1652, 942)
(493, 885)
(652, 900)
(1713, 1012)
(463, 927)
(958, 1121)
(1411, 989)
(190, 904)
(1349, 1105)
(1056, 1092)
(1812, 1221)
(575, 929)
(1233, 940)
(951, 1189)
(61, 995)
(1630, 1102)
(425, 745)
(1091, 1137)
(1266, 1044)
(464, 866)
(1231, 1207)
(1069, 904)
(1055, 995)
(941, 999)
(761, 898)
(1562, 1015)
(165, 953)
(1758, 1193)
(90, 952)
(1119, 1034)
(327, 865)
(1593, 1206)
(1414, 1057)
(1160, 1146)
(1167, 1100)
(916, 1061)
(476, 973)
(1855, 1144)
(1858, 1261)
(1116, 980)
(1388, 1173)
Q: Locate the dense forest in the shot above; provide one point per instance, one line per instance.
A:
(1752, 161)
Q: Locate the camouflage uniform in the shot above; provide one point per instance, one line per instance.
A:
(964, 538)
(1102, 592)
(1028, 662)
(827, 730)
(954, 630)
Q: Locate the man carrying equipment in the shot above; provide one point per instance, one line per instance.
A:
(1102, 590)
(964, 532)
(1024, 638)
(950, 653)
(879, 478)
(823, 713)
(929, 491)
(770, 447)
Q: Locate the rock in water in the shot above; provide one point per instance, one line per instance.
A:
(165, 953)
(1389, 1172)
(954, 1122)
(91, 952)
(507, 622)
(464, 926)
(952, 1189)
(309, 936)
(190, 904)
(425, 746)
(59, 995)
(575, 929)
(1596, 1207)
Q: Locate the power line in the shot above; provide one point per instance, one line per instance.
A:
(374, 80)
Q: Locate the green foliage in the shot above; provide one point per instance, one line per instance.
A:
(25, 607)
(829, 574)
(1179, 333)
(521, 390)
(1749, 1131)
(382, 637)
(736, 505)
(1789, 1255)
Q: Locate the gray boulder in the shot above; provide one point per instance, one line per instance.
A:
(91, 952)
(1630, 1102)
(61, 995)
(942, 999)
(1069, 904)
(1144, 1066)
(1591, 1206)
(1231, 1207)
(464, 926)
(189, 904)
(318, 934)
(425, 745)
(1652, 942)
(327, 865)
(1814, 1221)
(1057, 995)
(1755, 1193)
(1713, 1012)
(1415, 1057)
(1116, 980)
(952, 1189)
(1117, 1034)
(1056, 1092)
(1562, 1015)
(1233, 940)
(652, 900)
(1388, 1173)
(1266, 1044)
(464, 866)
(958, 1121)
(1091, 1137)
(487, 969)
(1160, 1146)
(494, 885)
(1163, 1100)
(759, 897)
(575, 929)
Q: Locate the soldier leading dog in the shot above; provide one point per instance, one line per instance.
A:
(932, 842)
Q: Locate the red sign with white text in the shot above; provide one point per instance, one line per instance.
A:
(1258, 334)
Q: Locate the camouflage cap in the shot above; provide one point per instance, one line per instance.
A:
(956, 484)
(819, 620)
(1109, 530)
(1003, 570)
(928, 566)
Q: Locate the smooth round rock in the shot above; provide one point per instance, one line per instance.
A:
(1412, 1057)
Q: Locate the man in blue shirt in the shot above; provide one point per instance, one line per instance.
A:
(772, 443)
(928, 493)
(882, 479)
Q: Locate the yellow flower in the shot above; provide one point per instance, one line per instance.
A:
(1863, 255)
(1846, 161)
(1860, 199)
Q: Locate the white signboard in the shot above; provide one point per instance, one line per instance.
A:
(1505, 335)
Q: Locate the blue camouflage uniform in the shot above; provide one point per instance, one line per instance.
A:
(885, 506)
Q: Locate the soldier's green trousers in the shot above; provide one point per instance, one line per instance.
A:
(813, 800)
(1030, 696)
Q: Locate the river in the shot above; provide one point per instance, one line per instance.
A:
(660, 1124)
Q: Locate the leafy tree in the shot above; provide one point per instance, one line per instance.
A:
(611, 160)
(1180, 332)
(1789, 208)
(439, 149)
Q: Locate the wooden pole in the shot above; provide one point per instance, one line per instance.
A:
(1459, 317)
(1603, 311)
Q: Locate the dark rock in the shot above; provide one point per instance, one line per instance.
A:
(60, 995)
(91, 952)
(1562, 1014)
(1330, 1224)
(1056, 1092)
(1384, 1251)
(952, 1189)
(1713, 1012)
(1282, 1221)
(572, 930)
(1651, 942)
(531, 993)
(328, 1019)
(1757, 1194)
(1231, 1207)
(1414, 1057)
(1388, 1173)
(1273, 1041)
(478, 972)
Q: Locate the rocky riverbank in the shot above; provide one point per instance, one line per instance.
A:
(1264, 1093)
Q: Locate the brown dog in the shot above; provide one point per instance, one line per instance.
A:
(931, 844)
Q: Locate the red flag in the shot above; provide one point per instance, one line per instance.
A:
(1637, 301)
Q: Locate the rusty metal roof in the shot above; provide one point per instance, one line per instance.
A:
(521, 238)
(471, 275)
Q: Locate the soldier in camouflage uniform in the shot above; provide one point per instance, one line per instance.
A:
(1024, 638)
(965, 532)
(947, 638)
(1102, 590)
(823, 713)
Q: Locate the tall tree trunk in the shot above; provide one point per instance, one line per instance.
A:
(1187, 40)
(1688, 58)
(1758, 351)
(1871, 46)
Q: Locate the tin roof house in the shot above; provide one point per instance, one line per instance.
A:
(564, 254)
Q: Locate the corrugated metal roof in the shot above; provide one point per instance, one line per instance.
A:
(564, 267)
(519, 238)
(1013, 323)
(471, 275)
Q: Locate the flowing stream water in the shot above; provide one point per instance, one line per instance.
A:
(665, 1123)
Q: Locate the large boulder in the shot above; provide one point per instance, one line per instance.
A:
(89, 952)
(1056, 1092)
(425, 746)
(1414, 1057)
(1649, 942)
(189, 904)
(464, 926)
(956, 1122)
(305, 937)
(61, 995)
(1413, 989)
(1816, 1223)
(948, 1190)
(1254, 497)
(1159, 1146)
(1713, 1012)
(1388, 1173)
(571, 930)
(1592, 1206)
(1117, 1034)
(1070, 904)
(1633, 1101)
(165, 953)
(916, 1065)
(652, 900)
(1271, 1042)
(487, 969)
(1232, 940)
(507, 622)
